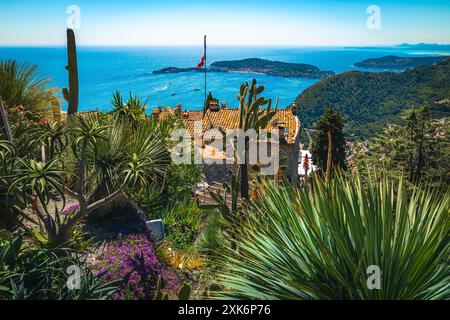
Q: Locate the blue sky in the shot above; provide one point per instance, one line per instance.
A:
(231, 22)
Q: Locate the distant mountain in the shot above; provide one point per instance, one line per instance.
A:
(420, 46)
(425, 46)
(256, 65)
(398, 63)
(372, 100)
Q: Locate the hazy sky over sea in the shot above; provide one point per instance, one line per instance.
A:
(231, 22)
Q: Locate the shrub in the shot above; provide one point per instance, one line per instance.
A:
(317, 243)
(133, 258)
(211, 237)
(28, 273)
(183, 224)
(182, 180)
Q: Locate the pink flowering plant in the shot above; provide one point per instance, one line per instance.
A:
(133, 259)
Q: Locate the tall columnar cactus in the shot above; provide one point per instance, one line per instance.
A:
(71, 94)
(251, 117)
(5, 129)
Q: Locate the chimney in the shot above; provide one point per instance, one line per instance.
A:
(178, 110)
(294, 108)
(185, 114)
(224, 104)
(214, 106)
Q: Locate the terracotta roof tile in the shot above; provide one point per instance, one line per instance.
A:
(226, 119)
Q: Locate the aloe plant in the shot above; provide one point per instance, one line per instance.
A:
(74, 173)
(322, 242)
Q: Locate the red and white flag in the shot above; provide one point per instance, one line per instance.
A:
(202, 61)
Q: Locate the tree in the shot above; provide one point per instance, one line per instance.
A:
(330, 127)
(419, 149)
(209, 99)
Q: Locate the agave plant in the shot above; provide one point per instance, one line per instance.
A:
(323, 243)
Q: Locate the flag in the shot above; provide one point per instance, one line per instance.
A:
(202, 61)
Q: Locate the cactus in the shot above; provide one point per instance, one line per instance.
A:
(250, 117)
(6, 131)
(71, 93)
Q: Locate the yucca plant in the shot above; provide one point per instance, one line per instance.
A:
(22, 84)
(133, 109)
(322, 242)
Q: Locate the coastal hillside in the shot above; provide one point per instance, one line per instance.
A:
(398, 63)
(372, 100)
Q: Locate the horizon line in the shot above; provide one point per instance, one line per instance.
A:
(214, 45)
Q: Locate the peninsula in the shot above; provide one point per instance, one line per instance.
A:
(399, 63)
(256, 65)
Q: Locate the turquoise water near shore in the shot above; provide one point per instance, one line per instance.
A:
(105, 70)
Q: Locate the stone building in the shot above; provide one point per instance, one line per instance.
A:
(224, 118)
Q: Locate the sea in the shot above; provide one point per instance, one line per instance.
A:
(103, 70)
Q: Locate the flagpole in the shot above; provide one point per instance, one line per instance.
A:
(204, 46)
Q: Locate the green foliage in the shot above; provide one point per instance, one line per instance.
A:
(183, 224)
(41, 274)
(211, 237)
(274, 68)
(178, 186)
(420, 149)
(183, 294)
(109, 160)
(52, 136)
(5, 128)
(370, 100)
(210, 99)
(5, 237)
(132, 110)
(318, 242)
(331, 121)
(182, 180)
(21, 84)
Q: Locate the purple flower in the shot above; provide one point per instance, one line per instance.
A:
(70, 208)
(134, 258)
